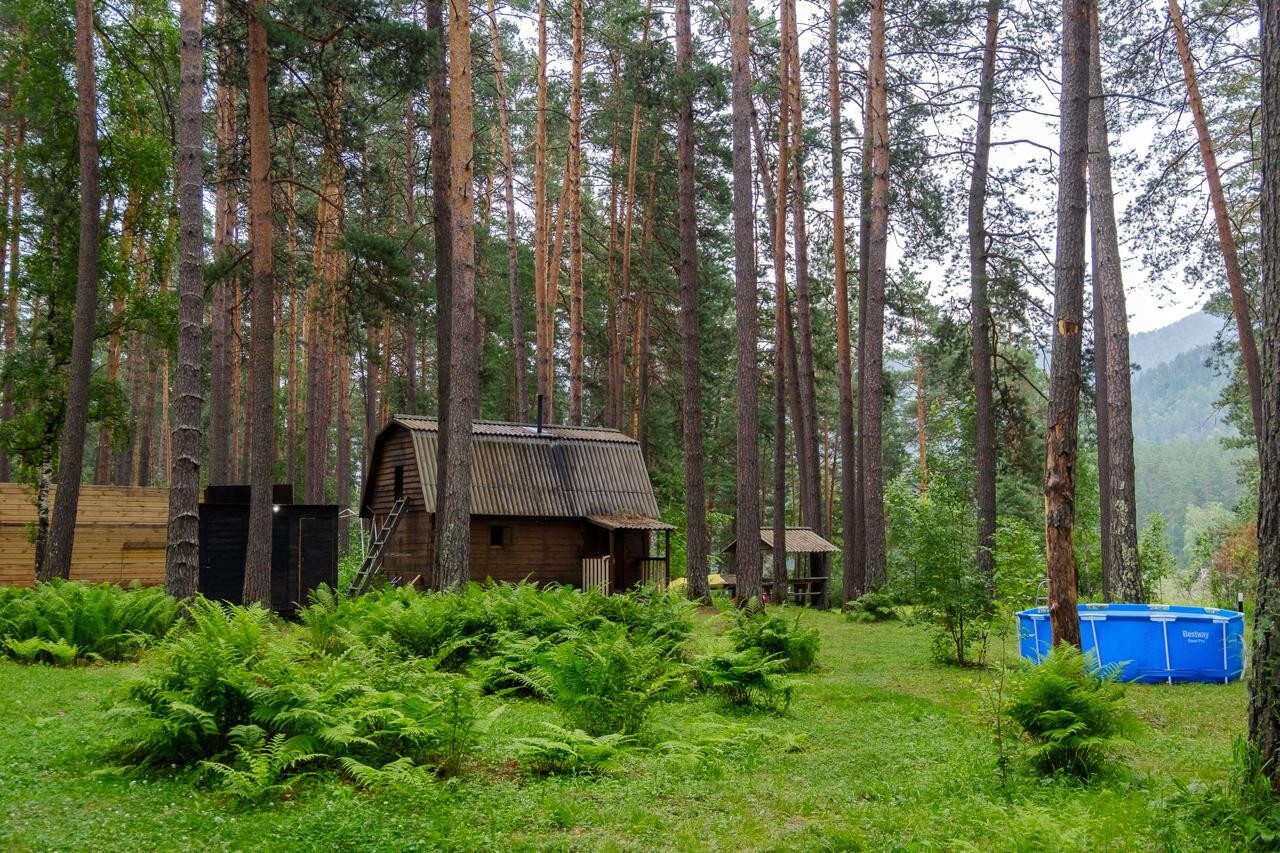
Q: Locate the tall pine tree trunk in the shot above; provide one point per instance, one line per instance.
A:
(222, 391)
(544, 324)
(844, 351)
(1121, 574)
(454, 507)
(984, 485)
(182, 556)
(11, 302)
(697, 547)
(575, 222)
(438, 91)
(856, 583)
(747, 508)
(1264, 683)
(57, 559)
(871, 388)
(518, 353)
(257, 569)
(782, 347)
(1226, 240)
(1068, 311)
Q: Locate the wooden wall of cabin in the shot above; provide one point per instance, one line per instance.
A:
(408, 553)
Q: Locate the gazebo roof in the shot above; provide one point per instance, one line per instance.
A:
(799, 540)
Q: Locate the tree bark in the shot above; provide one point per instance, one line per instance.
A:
(438, 91)
(575, 222)
(518, 352)
(454, 522)
(1068, 310)
(1121, 573)
(11, 306)
(57, 559)
(872, 385)
(984, 486)
(1264, 683)
(257, 569)
(856, 583)
(697, 548)
(182, 556)
(747, 523)
(545, 319)
(844, 350)
(1235, 278)
(807, 445)
(222, 391)
(782, 375)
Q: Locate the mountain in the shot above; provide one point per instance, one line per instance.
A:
(1160, 346)
(1177, 399)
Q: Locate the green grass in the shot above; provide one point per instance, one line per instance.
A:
(882, 749)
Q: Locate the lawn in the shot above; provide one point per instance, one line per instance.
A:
(881, 749)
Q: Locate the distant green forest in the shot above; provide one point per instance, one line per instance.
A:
(1178, 430)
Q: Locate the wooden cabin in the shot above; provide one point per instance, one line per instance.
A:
(551, 504)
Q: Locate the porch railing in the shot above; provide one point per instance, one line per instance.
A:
(595, 574)
(654, 571)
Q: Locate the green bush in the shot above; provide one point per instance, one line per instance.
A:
(745, 677)
(1072, 715)
(872, 606)
(776, 636)
(66, 621)
(603, 681)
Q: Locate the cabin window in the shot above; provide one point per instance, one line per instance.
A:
(399, 482)
(499, 535)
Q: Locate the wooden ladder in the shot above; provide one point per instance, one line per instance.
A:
(373, 559)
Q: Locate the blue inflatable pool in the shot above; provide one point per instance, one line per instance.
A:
(1149, 642)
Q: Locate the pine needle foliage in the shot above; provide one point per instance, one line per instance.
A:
(1072, 714)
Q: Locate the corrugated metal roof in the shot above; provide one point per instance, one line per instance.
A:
(564, 471)
(629, 522)
(800, 540)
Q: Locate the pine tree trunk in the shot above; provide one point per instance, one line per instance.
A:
(544, 324)
(811, 490)
(844, 350)
(1264, 683)
(872, 386)
(576, 362)
(57, 559)
(984, 486)
(1121, 573)
(922, 435)
(11, 306)
(518, 350)
(182, 555)
(454, 522)
(438, 91)
(697, 548)
(1068, 311)
(783, 376)
(1235, 278)
(103, 473)
(257, 569)
(857, 579)
(342, 469)
(222, 391)
(747, 510)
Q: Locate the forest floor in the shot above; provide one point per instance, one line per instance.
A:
(881, 749)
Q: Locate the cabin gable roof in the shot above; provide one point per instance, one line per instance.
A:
(516, 470)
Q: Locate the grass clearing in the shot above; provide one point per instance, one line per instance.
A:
(881, 749)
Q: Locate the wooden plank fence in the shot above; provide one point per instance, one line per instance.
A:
(595, 574)
(120, 534)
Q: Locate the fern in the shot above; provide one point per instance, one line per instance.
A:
(262, 764)
(775, 635)
(745, 678)
(570, 751)
(101, 621)
(1072, 714)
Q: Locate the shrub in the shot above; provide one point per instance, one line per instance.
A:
(66, 621)
(1072, 714)
(603, 681)
(872, 606)
(776, 636)
(569, 751)
(745, 677)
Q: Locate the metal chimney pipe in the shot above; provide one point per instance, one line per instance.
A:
(539, 414)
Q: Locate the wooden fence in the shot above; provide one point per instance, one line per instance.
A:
(595, 574)
(120, 535)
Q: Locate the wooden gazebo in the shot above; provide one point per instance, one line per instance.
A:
(808, 587)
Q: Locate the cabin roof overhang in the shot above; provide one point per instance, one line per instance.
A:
(799, 540)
